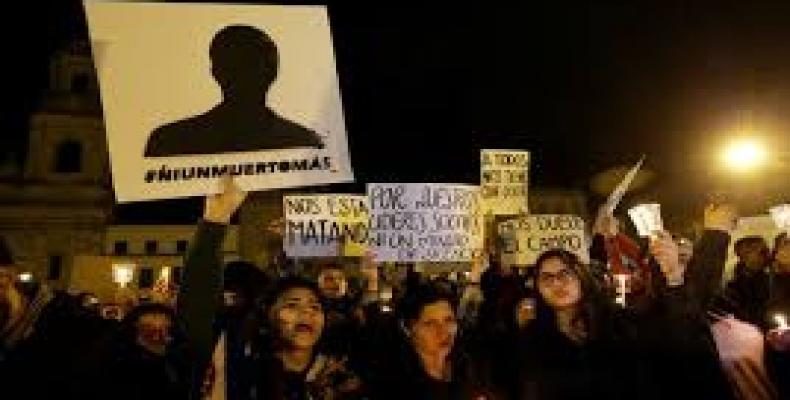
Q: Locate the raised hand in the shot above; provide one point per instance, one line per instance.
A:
(220, 207)
(720, 217)
(665, 250)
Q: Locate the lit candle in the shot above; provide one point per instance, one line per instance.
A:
(621, 289)
(781, 321)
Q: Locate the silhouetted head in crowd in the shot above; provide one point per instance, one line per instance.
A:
(752, 252)
(781, 254)
(12, 300)
(88, 302)
(332, 281)
(151, 327)
(244, 285)
(428, 315)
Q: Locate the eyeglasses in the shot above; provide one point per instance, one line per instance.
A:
(563, 276)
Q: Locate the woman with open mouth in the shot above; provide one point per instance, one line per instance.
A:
(286, 363)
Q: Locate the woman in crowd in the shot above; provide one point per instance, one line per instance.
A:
(429, 363)
(287, 363)
(582, 346)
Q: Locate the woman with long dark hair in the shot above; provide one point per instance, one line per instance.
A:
(286, 362)
(429, 363)
(584, 346)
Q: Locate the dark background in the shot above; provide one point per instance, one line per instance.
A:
(583, 86)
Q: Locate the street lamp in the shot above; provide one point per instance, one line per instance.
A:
(745, 155)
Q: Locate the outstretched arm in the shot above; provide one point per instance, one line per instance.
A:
(200, 292)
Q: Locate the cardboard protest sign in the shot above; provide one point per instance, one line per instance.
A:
(504, 181)
(326, 225)
(523, 239)
(193, 92)
(425, 222)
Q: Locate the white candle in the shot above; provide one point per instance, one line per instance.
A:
(781, 320)
(621, 289)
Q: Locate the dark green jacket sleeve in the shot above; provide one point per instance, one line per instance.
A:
(706, 268)
(199, 297)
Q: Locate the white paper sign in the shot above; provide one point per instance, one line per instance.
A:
(647, 219)
(425, 222)
(524, 239)
(192, 92)
(504, 181)
(326, 225)
(781, 216)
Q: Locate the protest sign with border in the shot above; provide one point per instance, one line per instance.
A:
(425, 222)
(325, 225)
(504, 181)
(523, 239)
(193, 92)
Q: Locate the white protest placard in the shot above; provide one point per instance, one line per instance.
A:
(523, 239)
(412, 222)
(326, 225)
(192, 92)
(504, 181)
(647, 219)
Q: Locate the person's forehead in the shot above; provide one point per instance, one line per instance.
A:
(332, 272)
(299, 293)
(552, 265)
(438, 309)
(152, 318)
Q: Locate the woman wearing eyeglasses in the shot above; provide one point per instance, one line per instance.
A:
(584, 346)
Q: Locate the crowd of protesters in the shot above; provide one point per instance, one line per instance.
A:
(238, 331)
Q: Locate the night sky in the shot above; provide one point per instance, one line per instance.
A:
(584, 87)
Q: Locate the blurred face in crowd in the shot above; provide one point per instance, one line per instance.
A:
(783, 256)
(433, 333)
(525, 312)
(333, 283)
(558, 284)
(754, 255)
(153, 332)
(11, 300)
(298, 317)
(685, 250)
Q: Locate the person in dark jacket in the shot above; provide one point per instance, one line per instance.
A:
(747, 293)
(429, 363)
(777, 314)
(287, 362)
(41, 335)
(581, 346)
(144, 359)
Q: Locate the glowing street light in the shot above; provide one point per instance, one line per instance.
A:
(744, 155)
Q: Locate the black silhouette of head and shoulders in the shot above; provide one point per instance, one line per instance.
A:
(245, 63)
